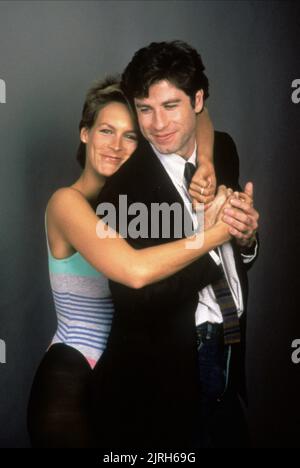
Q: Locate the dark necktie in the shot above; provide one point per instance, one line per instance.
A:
(221, 289)
(189, 171)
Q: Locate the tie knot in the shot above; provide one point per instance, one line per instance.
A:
(189, 171)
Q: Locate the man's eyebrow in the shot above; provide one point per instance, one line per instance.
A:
(169, 101)
(139, 104)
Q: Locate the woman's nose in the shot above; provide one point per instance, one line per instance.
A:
(116, 143)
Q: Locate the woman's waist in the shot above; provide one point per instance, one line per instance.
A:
(90, 312)
(86, 330)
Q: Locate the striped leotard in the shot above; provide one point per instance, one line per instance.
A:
(83, 305)
(59, 413)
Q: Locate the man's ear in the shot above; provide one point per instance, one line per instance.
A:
(84, 135)
(199, 101)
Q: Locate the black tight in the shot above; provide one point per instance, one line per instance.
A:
(58, 410)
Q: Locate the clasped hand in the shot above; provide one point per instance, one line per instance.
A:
(233, 208)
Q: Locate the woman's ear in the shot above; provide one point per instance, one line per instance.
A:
(199, 102)
(84, 135)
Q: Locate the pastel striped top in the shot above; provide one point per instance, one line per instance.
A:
(83, 305)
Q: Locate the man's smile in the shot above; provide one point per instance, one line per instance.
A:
(162, 138)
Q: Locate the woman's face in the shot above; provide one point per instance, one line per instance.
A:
(111, 140)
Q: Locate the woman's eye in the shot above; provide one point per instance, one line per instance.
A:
(106, 131)
(131, 137)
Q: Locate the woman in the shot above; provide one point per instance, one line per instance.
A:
(80, 263)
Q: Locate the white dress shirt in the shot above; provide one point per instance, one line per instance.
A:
(208, 309)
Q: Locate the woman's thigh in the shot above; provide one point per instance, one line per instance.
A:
(58, 410)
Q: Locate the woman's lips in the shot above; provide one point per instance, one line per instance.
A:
(111, 159)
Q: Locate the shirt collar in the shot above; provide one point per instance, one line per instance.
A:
(175, 164)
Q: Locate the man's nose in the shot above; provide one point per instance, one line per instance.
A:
(159, 121)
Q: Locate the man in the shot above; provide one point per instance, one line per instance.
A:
(179, 407)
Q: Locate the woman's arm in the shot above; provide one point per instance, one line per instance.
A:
(203, 185)
(74, 218)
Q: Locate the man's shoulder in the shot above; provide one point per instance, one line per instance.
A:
(224, 146)
(132, 163)
(224, 140)
(226, 159)
(133, 174)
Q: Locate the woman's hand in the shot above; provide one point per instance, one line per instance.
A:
(203, 185)
(213, 213)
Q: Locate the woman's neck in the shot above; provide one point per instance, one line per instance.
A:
(90, 185)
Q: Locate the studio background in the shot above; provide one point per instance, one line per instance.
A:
(50, 52)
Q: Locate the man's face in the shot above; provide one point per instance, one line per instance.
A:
(167, 118)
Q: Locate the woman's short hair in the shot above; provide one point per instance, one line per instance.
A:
(102, 93)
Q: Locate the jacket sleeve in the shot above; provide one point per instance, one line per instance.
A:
(227, 167)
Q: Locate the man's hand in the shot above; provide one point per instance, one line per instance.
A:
(203, 185)
(242, 217)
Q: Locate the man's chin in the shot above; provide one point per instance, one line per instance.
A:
(164, 149)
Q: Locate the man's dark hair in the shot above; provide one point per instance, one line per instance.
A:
(175, 61)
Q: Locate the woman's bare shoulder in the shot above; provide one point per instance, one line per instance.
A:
(65, 200)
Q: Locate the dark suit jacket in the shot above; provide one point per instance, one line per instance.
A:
(143, 179)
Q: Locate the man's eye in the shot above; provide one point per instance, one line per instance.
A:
(170, 106)
(144, 109)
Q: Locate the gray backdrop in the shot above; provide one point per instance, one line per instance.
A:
(50, 52)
